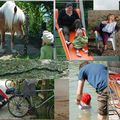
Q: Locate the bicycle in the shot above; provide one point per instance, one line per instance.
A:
(20, 104)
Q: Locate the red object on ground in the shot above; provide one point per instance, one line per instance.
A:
(3, 94)
(86, 98)
(114, 76)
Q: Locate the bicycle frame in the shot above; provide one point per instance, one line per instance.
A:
(45, 101)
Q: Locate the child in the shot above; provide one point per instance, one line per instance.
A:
(46, 49)
(85, 101)
(94, 75)
(106, 28)
(80, 41)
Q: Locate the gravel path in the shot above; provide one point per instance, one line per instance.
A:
(5, 115)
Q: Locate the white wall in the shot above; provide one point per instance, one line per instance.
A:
(106, 4)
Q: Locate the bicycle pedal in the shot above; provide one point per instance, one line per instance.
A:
(31, 111)
(41, 96)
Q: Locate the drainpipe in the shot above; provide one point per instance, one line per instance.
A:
(82, 12)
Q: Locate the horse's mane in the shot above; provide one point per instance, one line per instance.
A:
(8, 11)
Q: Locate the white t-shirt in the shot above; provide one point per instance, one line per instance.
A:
(110, 27)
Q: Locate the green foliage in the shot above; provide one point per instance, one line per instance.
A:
(36, 13)
(36, 10)
(88, 5)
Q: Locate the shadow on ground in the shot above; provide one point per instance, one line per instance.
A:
(93, 51)
(33, 50)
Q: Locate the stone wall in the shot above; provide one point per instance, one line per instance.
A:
(17, 69)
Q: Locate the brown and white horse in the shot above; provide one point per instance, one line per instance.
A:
(11, 20)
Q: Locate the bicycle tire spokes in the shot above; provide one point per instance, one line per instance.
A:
(18, 106)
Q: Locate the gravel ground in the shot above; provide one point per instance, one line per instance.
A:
(5, 115)
(93, 51)
(32, 50)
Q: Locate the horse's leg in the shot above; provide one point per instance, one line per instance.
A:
(21, 30)
(12, 43)
(3, 40)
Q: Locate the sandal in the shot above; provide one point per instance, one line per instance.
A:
(78, 54)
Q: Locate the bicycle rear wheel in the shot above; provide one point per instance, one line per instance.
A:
(18, 106)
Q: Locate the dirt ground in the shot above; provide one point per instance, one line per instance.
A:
(93, 51)
(5, 115)
(32, 50)
(62, 99)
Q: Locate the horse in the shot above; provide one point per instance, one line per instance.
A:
(12, 19)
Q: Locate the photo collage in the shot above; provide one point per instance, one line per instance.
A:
(59, 60)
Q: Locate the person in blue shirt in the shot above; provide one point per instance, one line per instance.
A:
(97, 77)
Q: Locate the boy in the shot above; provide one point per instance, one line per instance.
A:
(96, 75)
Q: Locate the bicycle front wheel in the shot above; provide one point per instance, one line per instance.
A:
(51, 112)
(18, 106)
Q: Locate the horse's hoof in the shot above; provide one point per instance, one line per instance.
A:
(13, 51)
(2, 51)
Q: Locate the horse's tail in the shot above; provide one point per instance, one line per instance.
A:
(15, 10)
(18, 16)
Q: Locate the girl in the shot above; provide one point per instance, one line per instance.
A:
(80, 41)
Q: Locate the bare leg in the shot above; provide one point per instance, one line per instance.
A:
(78, 53)
(105, 39)
(85, 49)
(78, 32)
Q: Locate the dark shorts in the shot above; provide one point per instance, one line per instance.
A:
(103, 102)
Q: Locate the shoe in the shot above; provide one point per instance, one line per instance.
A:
(68, 43)
(41, 96)
(78, 54)
(85, 51)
